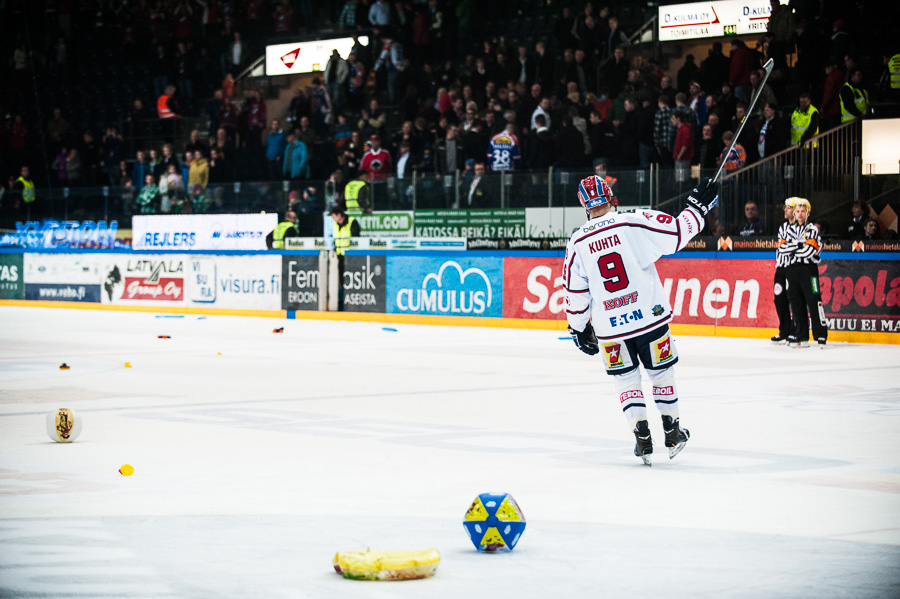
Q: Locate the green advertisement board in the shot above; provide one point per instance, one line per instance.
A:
(471, 223)
(386, 224)
(11, 273)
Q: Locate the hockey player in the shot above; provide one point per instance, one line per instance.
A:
(610, 279)
(782, 305)
(802, 253)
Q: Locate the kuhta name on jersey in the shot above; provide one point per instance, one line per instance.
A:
(622, 319)
(604, 243)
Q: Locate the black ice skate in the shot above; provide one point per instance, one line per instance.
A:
(644, 446)
(676, 436)
(779, 339)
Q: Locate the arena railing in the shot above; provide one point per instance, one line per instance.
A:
(829, 188)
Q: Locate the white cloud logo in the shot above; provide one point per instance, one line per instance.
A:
(437, 278)
(447, 300)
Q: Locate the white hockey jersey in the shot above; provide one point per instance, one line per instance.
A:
(609, 271)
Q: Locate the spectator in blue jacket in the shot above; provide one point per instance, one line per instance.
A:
(140, 170)
(275, 145)
(186, 167)
(295, 158)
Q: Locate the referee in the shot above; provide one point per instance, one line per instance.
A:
(803, 278)
(782, 305)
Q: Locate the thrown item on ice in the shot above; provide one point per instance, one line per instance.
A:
(63, 426)
(386, 565)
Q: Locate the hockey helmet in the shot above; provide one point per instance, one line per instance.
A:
(802, 202)
(593, 192)
(791, 202)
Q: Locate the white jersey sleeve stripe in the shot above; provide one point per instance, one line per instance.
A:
(617, 225)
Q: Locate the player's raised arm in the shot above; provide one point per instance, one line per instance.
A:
(663, 234)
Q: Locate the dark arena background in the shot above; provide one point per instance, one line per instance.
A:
(281, 280)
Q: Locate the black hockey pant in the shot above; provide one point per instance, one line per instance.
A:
(806, 301)
(782, 304)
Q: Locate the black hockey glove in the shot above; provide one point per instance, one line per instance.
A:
(704, 197)
(585, 340)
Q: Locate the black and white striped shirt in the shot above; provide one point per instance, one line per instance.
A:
(804, 245)
(784, 236)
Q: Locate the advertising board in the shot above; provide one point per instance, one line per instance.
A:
(306, 57)
(50, 233)
(458, 286)
(202, 231)
(235, 282)
(700, 291)
(387, 224)
(12, 284)
(147, 279)
(533, 288)
(861, 295)
(471, 223)
(364, 283)
(63, 277)
(380, 243)
(300, 282)
(713, 19)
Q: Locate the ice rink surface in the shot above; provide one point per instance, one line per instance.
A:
(254, 466)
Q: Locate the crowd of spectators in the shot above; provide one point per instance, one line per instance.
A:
(432, 93)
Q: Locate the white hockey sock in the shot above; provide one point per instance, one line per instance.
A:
(631, 397)
(665, 395)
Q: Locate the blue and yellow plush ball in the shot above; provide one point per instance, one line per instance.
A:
(494, 522)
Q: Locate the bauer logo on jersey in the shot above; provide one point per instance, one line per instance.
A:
(663, 350)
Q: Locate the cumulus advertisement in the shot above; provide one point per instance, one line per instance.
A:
(445, 286)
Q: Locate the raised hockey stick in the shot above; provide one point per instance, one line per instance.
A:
(768, 69)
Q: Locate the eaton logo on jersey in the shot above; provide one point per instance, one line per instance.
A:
(624, 319)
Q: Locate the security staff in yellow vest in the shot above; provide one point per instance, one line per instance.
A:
(344, 228)
(25, 188)
(356, 197)
(894, 67)
(804, 121)
(286, 228)
(854, 99)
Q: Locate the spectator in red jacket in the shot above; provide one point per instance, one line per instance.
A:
(742, 64)
(255, 109)
(377, 161)
(228, 118)
(684, 142)
(831, 103)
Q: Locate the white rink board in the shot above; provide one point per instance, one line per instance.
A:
(254, 466)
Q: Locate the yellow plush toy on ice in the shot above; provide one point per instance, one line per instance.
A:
(386, 565)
